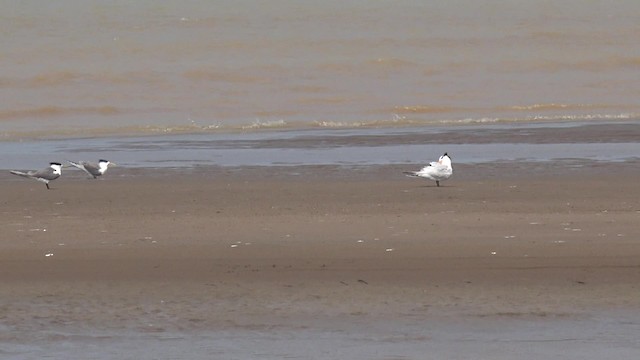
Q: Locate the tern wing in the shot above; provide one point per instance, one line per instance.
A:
(92, 169)
(435, 172)
(46, 174)
(427, 172)
(89, 168)
(440, 172)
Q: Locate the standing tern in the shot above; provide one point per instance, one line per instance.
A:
(45, 175)
(436, 170)
(93, 169)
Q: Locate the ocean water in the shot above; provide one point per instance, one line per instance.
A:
(87, 69)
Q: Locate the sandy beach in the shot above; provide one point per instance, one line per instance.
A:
(256, 249)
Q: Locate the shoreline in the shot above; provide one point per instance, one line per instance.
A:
(530, 143)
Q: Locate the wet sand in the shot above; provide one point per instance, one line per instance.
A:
(254, 251)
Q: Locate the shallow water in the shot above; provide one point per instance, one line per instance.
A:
(541, 142)
(582, 336)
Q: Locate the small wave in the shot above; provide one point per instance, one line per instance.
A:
(54, 78)
(374, 65)
(390, 62)
(424, 109)
(599, 65)
(585, 117)
(543, 118)
(259, 124)
(310, 89)
(49, 111)
(555, 106)
(396, 120)
(340, 124)
(612, 62)
(222, 76)
(540, 118)
(403, 121)
(60, 78)
(325, 100)
(177, 129)
(472, 121)
(337, 68)
(551, 106)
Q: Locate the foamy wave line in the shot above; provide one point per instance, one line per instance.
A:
(401, 121)
(430, 109)
(341, 124)
(626, 116)
(395, 122)
(555, 106)
(182, 128)
(544, 118)
(259, 124)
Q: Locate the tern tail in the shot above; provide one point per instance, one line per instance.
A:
(74, 164)
(410, 173)
(19, 173)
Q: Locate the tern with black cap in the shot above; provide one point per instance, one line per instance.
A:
(45, 175)
(93, 169)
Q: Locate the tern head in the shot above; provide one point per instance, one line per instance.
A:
(57, 168)
(445, 160)
(104, 165)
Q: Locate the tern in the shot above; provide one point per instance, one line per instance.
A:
(437, 170)
(93, 169)
(45, 175)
